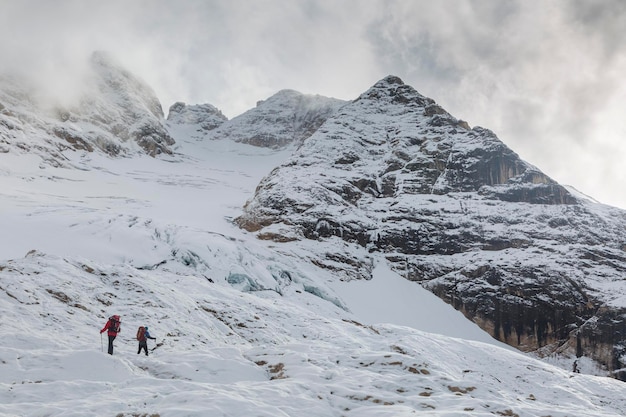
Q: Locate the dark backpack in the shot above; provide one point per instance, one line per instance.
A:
(114, 324)
(140, 333)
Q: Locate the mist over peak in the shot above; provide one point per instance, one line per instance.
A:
(99, 105)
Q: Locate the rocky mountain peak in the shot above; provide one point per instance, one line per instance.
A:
(205, 116)
(454, 208)
(287, 98)
(390, 80)
(392, 89)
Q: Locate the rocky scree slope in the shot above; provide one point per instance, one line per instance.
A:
(116, 113)
(453, 208)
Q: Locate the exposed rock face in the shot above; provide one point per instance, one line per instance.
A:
(117, 114)
(457, 210)
(288, 117)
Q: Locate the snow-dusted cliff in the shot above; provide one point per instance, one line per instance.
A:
(458, 211)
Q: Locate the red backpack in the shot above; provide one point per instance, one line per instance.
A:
(140, 333)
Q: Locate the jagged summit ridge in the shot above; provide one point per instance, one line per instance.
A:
(393, 88)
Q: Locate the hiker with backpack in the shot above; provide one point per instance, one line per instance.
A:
(142, 336)
(113, 328)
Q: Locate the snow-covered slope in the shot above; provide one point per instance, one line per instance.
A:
(227, 353)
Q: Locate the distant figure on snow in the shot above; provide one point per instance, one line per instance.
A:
(142, 336)
(113, 328)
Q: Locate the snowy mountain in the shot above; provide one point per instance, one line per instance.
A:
(455, 209)
(287, 118)
(205, 116)
(275, 326)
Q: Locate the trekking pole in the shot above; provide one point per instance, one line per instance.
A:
(101, 344)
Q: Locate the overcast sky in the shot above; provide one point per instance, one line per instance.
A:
(549, 77)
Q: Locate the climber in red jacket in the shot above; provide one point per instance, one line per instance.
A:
(113, 327)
